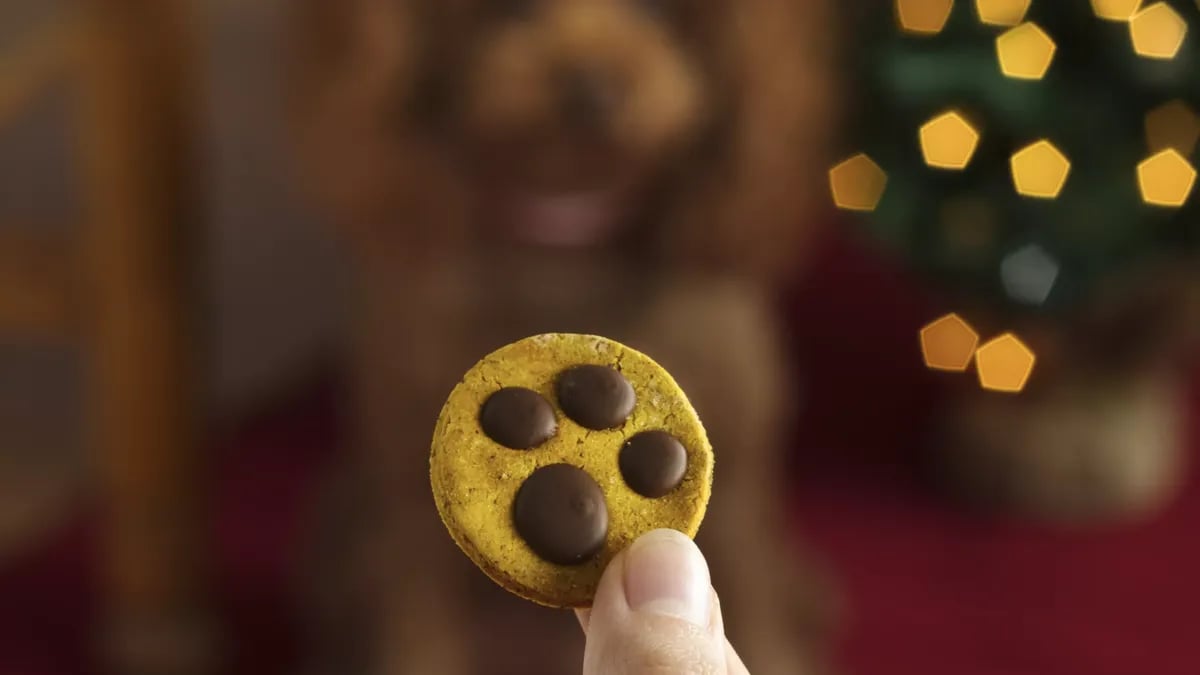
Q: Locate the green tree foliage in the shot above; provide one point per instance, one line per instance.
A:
(960, 227)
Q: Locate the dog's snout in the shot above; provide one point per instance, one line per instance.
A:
(589, 98)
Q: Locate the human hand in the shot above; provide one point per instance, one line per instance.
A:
(655, 611)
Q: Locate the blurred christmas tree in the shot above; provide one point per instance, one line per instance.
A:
(1032, 149)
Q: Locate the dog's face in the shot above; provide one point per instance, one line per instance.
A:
(692, 129)
(565, 116)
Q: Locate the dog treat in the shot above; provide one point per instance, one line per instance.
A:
(555, 452)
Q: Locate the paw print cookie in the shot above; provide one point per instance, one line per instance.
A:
(555, 452)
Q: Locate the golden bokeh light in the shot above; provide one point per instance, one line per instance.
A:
(1001, 12)
(1025, 52)
(1166, 179)
(1039, 170)
(857, 183)
(1157, 31)
(924, 17)
(948, 141)
(948, 344)
(1172, 125)
(1116, 10)
(1004, 364)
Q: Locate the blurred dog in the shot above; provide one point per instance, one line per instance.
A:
(639, 169)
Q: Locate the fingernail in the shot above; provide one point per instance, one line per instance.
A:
(666, 574)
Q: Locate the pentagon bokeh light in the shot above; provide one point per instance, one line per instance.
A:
(1166, 179)
(1116, 10)
(1157, 31)
(1029, 274)
(1025, 52)
(857, 183)
(1004, 364)
(1172, 125)
(923, 17)
(948, 141)
(948, 344)
(1039, 170)
(1001, 12)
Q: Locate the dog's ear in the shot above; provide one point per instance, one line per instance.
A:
(318, 31)
(751, 210)
(428, 103)
(357, 64)
(330, 35)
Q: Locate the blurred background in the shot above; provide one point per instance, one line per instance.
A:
(246, 315)
(171, 341)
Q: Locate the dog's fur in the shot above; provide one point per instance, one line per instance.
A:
(409, 112)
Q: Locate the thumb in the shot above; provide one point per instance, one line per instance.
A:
(655, 612)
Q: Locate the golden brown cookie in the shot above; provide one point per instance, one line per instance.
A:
(555, 452)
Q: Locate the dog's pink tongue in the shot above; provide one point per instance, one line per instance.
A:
(573, 219)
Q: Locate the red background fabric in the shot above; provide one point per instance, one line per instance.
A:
(936, 590)
(930, 589)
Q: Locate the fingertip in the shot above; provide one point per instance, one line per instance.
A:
(665, 573)
(624, 637)
(608, 603)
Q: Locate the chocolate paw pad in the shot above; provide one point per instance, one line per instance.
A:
(555, 452)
